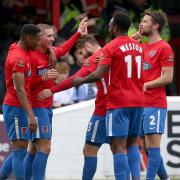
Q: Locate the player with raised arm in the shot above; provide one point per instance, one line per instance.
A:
(18, 115)
(157, 72)
(43, 75)
(123, 57)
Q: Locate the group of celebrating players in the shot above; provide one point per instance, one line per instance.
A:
(130, 102)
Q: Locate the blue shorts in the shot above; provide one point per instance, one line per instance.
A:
(16, 121)
(96, 131)
(124, 122)
(44, 119)
(154, 120)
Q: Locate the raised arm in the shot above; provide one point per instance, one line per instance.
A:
(66, 46)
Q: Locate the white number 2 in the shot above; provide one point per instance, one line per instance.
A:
(152, 120)
(128, 60)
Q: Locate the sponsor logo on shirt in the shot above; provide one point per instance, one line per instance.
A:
(42, 70)
(146, 66)
(152, 53)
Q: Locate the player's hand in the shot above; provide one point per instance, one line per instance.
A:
(145, 87)
(83, 26)
(137, 36)
(44, 94)
(32, 123)
(50, 74)
(98, 58)
(77, 81)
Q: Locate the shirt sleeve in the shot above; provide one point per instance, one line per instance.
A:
(68, 82)
(18, 65)
(167, 57)
(106, 56)
(66, 46)
(89, 65)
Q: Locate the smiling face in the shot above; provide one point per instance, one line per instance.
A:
(47, 38)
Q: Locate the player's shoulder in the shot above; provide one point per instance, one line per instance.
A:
(163, 43)
(16, 53)
(164, 46)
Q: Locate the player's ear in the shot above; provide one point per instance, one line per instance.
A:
(115, 29)
(27, 39)
(155, 26)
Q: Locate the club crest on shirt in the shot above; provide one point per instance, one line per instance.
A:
(170, 58)
(20, 63)
(152, 53)
(24, 130)
(44, 129)
(146, 66)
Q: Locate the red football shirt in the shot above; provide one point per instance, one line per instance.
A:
(88, 67)
(102, 84)
(124, 56)
(40, 65)
(17, 61)
(156, 56)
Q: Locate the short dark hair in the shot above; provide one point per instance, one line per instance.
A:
(86, 38)
(29, 29)
(158, 17)
(122, 21)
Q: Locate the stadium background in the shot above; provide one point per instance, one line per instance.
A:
(64, 15)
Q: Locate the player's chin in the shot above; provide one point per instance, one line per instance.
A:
(49, 44)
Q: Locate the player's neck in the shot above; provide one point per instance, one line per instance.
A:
(97, 48)
(118, 34)
(154, 38)
(23, 45)
(42, 49)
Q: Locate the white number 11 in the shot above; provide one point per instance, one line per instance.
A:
(128, 60)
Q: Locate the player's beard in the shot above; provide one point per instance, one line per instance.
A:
(146, 33)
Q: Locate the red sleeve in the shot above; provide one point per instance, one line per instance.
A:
(66, 46)
(19, 65)
(167, 57)
(68, 82)
(106, 57)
